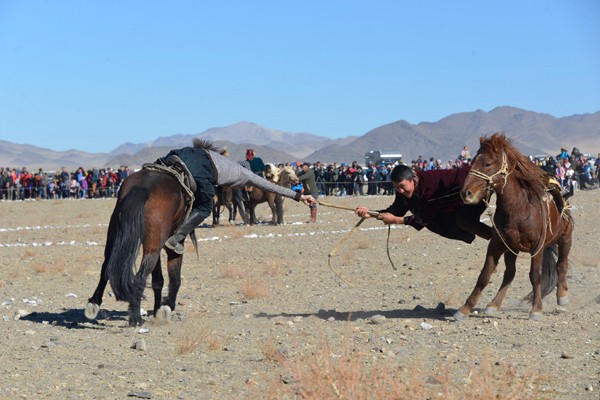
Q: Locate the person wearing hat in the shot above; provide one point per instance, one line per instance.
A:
(256, 163)
(433, 198)
(208, 168)
(309, 182)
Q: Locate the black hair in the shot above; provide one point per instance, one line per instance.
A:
(402, 173)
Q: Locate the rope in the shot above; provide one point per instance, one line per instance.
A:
(188, 194)
(345, 238)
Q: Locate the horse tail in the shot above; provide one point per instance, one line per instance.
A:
(126, 244)
(549, 272)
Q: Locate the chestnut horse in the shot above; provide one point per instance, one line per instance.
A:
(150, 207)
(531, 216)
(284, 177)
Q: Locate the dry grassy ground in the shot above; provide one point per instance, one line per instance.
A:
(261, 315)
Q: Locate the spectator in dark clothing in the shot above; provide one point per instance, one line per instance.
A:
(308, 180)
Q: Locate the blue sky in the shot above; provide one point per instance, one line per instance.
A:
(91, 75)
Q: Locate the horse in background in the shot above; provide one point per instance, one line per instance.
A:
(284, 177)
(231, 199)
(531, 216)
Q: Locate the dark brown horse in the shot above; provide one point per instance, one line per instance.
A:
(531, 217)
(231, 199)
(284, 177)
(150, 207)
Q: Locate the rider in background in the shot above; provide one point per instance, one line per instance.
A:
(256, 163)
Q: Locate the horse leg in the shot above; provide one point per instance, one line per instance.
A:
(279, 207)
(535, 276)
(562, 265)
(93, 306)
(510, 261)
(174, 270)
(231, 219)
(271, 202)
(238, 203)
(494, 252)
(158, 282)
(251, 213)
(149, 262)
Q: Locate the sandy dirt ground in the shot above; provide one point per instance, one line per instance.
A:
(260, 295)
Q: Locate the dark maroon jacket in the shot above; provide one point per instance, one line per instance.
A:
(435, 202)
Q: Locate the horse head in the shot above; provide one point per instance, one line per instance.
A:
(288, 175)
(497, 163)
(489, 169)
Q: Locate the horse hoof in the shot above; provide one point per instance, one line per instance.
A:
(491, 311)
(535, 316)
(91, 310)
(563, 301)
(460, 316)
(163, 314)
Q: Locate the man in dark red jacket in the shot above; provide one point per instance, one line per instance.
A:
(433, 198)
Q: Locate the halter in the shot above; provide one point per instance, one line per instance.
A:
(490, 186)
(503, 171)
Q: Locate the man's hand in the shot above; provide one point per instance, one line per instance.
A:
(308, 199)
(363, 212)
(389, 218)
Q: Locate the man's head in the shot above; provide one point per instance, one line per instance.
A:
(402, 179)
(249, 154)
(305, 166)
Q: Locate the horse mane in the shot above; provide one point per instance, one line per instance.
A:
(208, 145)
(528, 174)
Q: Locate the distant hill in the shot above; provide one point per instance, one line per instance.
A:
(534, 133)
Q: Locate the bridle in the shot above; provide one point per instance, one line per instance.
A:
(503, 172)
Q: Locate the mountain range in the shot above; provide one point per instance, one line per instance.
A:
(534, 133)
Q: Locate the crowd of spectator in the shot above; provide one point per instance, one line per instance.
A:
(333, 179)
(572, 169)
(92, 183)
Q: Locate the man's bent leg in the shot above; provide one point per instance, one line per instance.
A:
(468, 219)
(175, 242)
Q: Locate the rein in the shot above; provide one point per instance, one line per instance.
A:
(345, 238)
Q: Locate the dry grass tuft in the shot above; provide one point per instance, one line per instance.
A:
(271, 351)
(231, 271)
(448, 297)
(583, 259)
(188, 341)
(347, 257)
(236, 233)
(28, 253)
(254, 288)
(191, 338)
(350, 371)
(362, 245)
(272, 268)
(51, 268)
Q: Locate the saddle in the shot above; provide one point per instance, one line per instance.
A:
(555, 192)
(174, 166)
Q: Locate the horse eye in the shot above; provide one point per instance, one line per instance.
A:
(488, 165)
